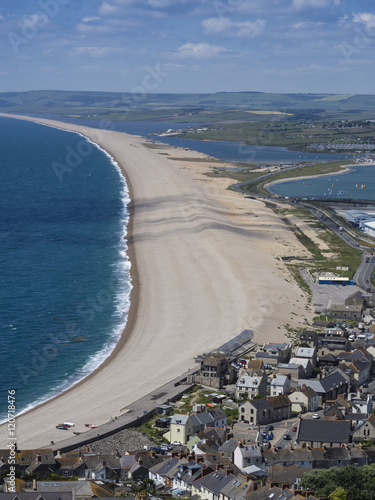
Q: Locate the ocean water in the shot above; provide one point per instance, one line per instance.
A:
(358, 184)
(64, 271)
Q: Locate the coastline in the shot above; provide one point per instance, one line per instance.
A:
(178, 229)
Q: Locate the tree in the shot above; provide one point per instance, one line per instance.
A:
(338, 494)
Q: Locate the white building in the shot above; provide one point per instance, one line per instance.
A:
(369, 228)
(280, 384)
(357, 217)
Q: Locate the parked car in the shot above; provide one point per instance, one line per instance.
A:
(176, 443)
(287, 437)
(269, 428)
(165, 447)
(294, 429)
(316, 415)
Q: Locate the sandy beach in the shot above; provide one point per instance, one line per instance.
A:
(204, 266)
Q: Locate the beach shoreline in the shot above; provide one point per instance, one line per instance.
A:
(177, 235)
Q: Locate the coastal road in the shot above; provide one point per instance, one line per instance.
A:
(363, 274)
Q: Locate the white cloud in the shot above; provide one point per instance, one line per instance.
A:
(90, 19)
(200, 50)
(365, 18)
(308, 4)
(97, 51)
(1, 16)
(37, 20)
(224, 26)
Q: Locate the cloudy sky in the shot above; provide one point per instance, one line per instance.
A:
(188, 45)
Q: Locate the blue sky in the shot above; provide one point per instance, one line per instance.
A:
(324, 46)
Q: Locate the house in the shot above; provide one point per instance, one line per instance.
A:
(307, 353)
(306, 365)
(227, 449)
(186, 474)
(317, 433)
(209, 486)
(181, 428)
(366, 431)
(81, 490)
(280, 384)
(294, 371)
(360, 354)
(329, 360)
(247, 454)
(281, 350)
(24, 458)
(304, 399)
(281, 406)
(355, 299)
(327, 388)
(345, 312)
(257, 411)
(361, 404)
(308, 338)
(219, 417)
(162, 473)
(215, 371)
(255, 366)
(251, 386)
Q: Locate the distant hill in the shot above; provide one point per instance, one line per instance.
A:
(89, 103)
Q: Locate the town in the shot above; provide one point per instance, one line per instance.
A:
(248, 426)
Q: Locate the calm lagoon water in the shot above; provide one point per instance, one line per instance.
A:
(358, 184)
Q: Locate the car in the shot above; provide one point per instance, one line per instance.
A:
(294, 429)
(165, 447)
(144, 412)
(176, 443)
(316, 415)
(287, 437)
(351, 338)
(361, 336)
(269, 428)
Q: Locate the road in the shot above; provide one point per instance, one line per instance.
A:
(363, 274)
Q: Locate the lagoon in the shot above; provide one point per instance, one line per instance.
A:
(358, 184)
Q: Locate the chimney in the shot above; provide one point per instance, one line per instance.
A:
(39, 458)
(229, 471)
(153, 454)
(58, 454)
(181, 455)
(140, 461)
(273, 484)
(239, 444)
(117, 454)
(297, 492)
(34, 485)
(310, 493)
(199, 459)
(284, 486)
(104, 463)
(255, 485)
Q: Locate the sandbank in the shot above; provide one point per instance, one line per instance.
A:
(204, 267)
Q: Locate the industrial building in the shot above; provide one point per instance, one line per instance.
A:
(369, 228)
(357, 218)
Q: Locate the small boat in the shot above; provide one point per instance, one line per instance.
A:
(62, 427)
(91, 426)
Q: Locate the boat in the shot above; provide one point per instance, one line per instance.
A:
(91, 426)
(62, 427)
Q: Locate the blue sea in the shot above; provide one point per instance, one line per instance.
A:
(64, 270)
(358, 184)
